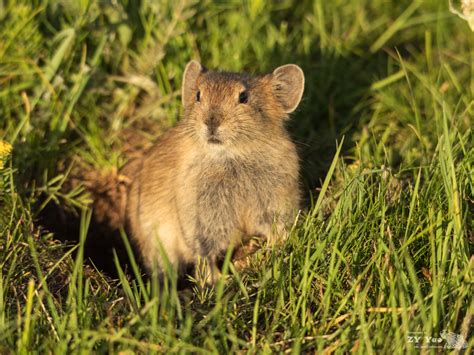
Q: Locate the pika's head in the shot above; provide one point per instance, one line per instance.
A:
(228, 109)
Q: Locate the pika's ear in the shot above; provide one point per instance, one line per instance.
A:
(190, 75)
(288, 86)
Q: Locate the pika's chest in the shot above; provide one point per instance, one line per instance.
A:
(230, 179)
(212, 173)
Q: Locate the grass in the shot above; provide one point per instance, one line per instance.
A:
(384, 248)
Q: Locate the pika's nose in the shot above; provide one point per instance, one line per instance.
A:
(212, 123)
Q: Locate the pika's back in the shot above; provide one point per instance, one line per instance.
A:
(227, 169)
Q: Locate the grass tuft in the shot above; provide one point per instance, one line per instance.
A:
(383, 251)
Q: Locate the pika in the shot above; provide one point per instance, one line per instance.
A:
(227, 170)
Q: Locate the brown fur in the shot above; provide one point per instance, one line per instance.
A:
(227, 170)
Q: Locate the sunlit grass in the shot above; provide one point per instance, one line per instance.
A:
(385, 139)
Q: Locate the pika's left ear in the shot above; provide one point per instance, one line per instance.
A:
(288, 86)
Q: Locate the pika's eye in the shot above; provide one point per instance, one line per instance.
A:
(198, 96)
(243, 97)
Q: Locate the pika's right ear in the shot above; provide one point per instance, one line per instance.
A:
(190, 75)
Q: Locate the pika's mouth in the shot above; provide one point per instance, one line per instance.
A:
(214, 140)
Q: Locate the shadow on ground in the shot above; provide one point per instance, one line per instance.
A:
(101, 241)
(336, 95)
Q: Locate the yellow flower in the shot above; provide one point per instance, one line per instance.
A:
(5, 150)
